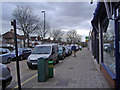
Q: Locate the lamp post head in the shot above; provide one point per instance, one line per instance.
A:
(43, 11)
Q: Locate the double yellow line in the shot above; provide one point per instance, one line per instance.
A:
(26, 81)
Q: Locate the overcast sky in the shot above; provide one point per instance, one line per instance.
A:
(61, 15)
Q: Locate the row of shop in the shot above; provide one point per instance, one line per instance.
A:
(104, 41)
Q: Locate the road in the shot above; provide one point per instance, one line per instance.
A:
(72, 72)
(25, 73)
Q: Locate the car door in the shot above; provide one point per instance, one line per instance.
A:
(26, 53)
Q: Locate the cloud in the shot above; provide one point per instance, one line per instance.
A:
(60, 15)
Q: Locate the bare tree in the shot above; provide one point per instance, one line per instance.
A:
(40, 31)
(78, 38)
(57, 34)
(73, 37)
(26, 21)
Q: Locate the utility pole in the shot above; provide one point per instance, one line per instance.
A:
(13, 23)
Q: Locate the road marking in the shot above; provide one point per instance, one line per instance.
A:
(25, 81)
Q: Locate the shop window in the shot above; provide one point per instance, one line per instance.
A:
(109, 46)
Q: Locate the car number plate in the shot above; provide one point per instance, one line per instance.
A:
(34, 63)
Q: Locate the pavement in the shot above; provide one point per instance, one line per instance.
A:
(73, 72)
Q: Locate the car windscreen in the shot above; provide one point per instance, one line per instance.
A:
(42, 50)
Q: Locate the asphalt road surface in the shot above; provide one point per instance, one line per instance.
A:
(26, 74)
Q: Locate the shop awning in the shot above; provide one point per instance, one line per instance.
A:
(99, 14)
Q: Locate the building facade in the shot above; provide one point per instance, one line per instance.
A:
(105, 40)
(8, 38)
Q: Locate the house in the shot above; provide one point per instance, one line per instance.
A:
(8, 38)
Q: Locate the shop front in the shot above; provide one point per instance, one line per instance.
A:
(106, 25)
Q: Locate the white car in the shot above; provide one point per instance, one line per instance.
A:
(50, 51)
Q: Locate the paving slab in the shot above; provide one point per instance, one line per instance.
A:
(74, 72)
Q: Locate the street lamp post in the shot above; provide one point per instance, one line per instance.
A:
(44, 26)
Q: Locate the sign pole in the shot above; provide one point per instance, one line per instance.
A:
(13, 23)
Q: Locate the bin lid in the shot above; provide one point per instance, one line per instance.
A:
(50, 62)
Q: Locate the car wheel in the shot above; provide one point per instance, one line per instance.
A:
(21, 58)
(30, 67)
(63, 58)
(8, 60)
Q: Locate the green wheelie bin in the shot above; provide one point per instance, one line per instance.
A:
(50, 69)
(42, 69)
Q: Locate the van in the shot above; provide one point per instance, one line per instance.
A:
(49, 51)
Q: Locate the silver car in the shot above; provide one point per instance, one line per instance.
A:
(5, 56)
(5, 77)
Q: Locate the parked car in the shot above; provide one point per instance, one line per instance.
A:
(67, 51)
(49, 51)
(23, 53)
(105, 46)
(5, 56)
(62, 54)
(5, 77)
(69, 47)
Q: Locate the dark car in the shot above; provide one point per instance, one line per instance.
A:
(5, 77)
(23, 53)
(62, 53)
(5, 56)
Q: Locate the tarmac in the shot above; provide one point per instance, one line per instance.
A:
(74, 72)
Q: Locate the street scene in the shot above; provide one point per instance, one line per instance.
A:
(60, 45)
(72, 72)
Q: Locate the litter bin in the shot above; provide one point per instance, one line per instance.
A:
(50, 69)
(42, 69)
(80, 49)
